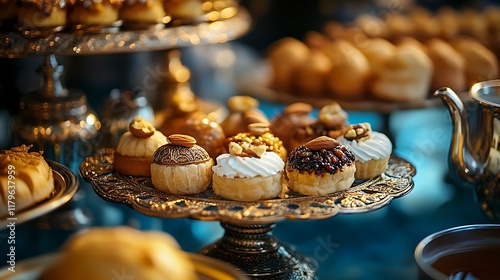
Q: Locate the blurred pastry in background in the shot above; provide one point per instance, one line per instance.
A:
(405, 77)
(315, 40)
(291, 118)
(398, 26)
(94, 12)
(348, 78)
(285, 56)
(181, 166)
(425, 24)
(337, 31)
(142, 11)
(33, 183)
(372, 26)
(97, 253)
(473, 24)
(480, 63)
(449, 22)
(310, 77)
(449, 66)
(183, 8)
(377, 51)
(243, 110)
(35, 14)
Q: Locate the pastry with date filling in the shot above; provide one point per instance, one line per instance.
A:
(94, 12)
(372, 149)
(100, 253)
(319, 167)
(181, 166)
(258, 134)
(25, 179)
(331, 122)
(134, 153)
(248, 173)
(36, 14)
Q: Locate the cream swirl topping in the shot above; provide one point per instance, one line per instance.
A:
(377, 147)
(233, 166)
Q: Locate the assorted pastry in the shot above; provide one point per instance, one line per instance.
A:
(56, 15)
(99, 253)
(402, 57)
(25, 179)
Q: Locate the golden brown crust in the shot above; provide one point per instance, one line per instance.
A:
(180, 155)
(135, 166)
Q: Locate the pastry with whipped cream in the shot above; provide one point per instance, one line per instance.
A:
(104, 253)
(319, 167)
(26, 175)
(248, 173)
(134, 153)
(259, 134)
(181, 166)
(372, 150)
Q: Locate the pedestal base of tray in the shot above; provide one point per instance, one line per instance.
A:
(253, 249)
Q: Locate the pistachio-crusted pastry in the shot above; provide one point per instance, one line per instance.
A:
(321, 166)
(331, 122)
(134, 153)
(34, 14)
(181, 166)
(248, 173)
(293, 117)
(242, 112)
(259, 134)
(372, 149)
(94, 12)
(26, 175)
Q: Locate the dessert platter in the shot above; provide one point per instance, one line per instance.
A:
(65, 186)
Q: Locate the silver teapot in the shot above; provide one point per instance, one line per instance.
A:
(474, 155)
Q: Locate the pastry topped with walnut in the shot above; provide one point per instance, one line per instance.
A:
(181, 166)
(372, 149)
(134, 153)
(248, 173)
(259, 134)
(319, 167)
(33, 179)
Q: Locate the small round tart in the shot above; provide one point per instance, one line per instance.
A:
(321, 166)
(372, 150)
(134, 153)
(248, 173)
(28, 174)
(181, 166)
(259, 134)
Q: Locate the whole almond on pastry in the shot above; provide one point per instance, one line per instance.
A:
(322, 142)
(181, 140)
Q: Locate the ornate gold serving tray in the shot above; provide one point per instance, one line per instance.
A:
(65, 187)
(140, 194)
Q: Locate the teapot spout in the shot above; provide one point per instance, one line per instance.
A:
(464, 167)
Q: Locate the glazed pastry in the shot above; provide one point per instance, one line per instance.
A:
(449, 66)
(142, 11)
(480, 63)
(26, 173)
(321, 166)
(208, 134)
(134, 153)
(331, 122)
(100, 253)
(348, 77)
(248, 173)
(404, 77)
(242, 112)
(94, 12)
(34, 14)
(372, 150)
(285, 56)
(258, 134)
(181, 166)
(292, 117)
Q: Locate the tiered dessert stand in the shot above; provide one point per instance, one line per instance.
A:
(248, 242)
